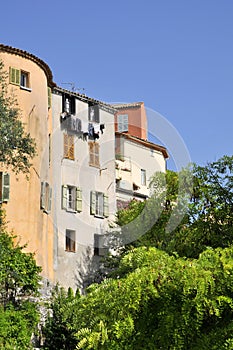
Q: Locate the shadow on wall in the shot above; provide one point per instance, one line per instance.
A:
(88, 270)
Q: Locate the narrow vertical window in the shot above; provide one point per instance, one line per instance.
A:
(143, 177)
(122, 121)
(69, 146)
(94, 154)
(4, 187)
(70, 245)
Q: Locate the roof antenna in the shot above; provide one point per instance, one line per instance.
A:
(73, 88)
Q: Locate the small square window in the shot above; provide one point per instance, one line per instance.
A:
(70, 241)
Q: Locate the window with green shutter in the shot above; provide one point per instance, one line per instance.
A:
(99, 204)
(71, 198)
(14, 76)
(4, 187)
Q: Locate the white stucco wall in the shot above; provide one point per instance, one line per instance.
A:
(137, 157)
(79, 173)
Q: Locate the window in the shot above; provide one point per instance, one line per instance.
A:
(68, 104)
(71, 198)
(94, 154)
(19, 77)
(69, 146)
(143, 177)
(4, 187)
(122, 121)
(93, 113)
(70, 241)
(100, 245)
(99, 204)
(45, 197)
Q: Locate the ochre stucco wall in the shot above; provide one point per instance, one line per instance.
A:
(26, 219)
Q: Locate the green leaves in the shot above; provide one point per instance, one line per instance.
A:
(17, 148)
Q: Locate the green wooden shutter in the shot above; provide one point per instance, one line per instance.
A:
(5, 187)
(93, 202)
(106, 206)
(14, 76)
(78, 199)
(49, 97)
(64, 197)
(42, 195)
(49, 200)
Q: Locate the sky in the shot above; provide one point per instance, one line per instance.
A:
(174, 55)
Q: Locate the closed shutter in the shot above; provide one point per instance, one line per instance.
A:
(66, 146)
(93, 203)
(91, 153)
(78, 199)
(106, 206)
(125, 122)
(96, 154)
(49, 200)
(42, 195)
(71, 146)
(6, 187)
(64, 197)
(14, 76)
(49, 97)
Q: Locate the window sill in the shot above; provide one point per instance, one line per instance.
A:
(94, 165)
(25, 88)
(99, 216)
(70, 251)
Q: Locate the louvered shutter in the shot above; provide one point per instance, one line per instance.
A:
(66, 146)
(91, 154)
(5, 187)
(78, 199)
(14, 76)
(49, 97)
(96, 154)
(106, 206)
(42, 195)
(71, 147)
(64, 197)
(49, 200)
(93, 203)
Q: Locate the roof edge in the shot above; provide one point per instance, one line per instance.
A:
(37, 60)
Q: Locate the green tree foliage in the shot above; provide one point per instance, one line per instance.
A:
(161, 302)
(19, 278)
(17, 148)
(202, 210)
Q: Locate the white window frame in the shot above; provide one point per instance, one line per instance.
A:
(122, 122)
(143, 177)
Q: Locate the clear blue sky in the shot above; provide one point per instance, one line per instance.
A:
(175, 55)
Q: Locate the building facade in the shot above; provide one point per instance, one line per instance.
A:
(91, 158)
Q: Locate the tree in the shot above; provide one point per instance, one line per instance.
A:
(19, 280)
(160, 302)
(17, 148)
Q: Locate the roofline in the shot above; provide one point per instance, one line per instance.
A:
(132, 105)
(82, 97)
(145, 143)
(38, 61)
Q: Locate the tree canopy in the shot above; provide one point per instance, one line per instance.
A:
(17, 148)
